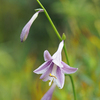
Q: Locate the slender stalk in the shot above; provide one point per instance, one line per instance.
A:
(73, 86)
(52, 24)
(72, 82)
(65, 50)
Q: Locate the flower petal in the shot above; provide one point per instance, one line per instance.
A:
(42, 68)
(49, 93)
(47, 55)
(45, 76)
(57, 56)
(60, 78)
(61, 46)
(67, 69)
(25, 30)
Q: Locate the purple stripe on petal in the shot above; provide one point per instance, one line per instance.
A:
(45, 76)
(25, 30)
(47, 55)
(57, 58)
(60, 78)
(60, 46)
(49, 93)
(67, 69)
(42, 68)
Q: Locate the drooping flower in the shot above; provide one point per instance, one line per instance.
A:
(54, 68)
(25, 30)
(49, 93)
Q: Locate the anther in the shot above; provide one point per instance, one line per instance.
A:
(52, 76)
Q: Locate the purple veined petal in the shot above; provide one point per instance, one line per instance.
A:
(57, 62)
(61, 46)
(45, 76)
(67, 69)
(57, 58)
(49, 93)
(47, 55)
(42, 68)
(25, 30)
(60, 78)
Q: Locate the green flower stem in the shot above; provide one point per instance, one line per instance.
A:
(73, 86)
(72, 82)
(65, 50)
(47, 15)
(68, 74)
(57, 33)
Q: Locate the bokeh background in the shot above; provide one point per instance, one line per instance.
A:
(78, 19)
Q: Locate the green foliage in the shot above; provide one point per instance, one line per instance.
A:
(78, 19)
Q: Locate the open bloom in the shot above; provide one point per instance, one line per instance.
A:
(25, 30)
(54, 68)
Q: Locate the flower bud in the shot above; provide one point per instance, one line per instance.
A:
(63, 36)
(25, 30)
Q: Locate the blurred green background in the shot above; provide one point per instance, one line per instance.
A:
(78, 19)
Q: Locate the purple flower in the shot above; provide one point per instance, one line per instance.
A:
(25, 30)
(54, 68)
(49, 93)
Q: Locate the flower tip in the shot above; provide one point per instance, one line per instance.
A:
(39, 10)
(45, 51)
(21, 40)
(34, 71)
(62, 42)
(75, 70)
(47, 55)
(24, 33)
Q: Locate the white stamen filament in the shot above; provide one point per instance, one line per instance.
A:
(53, 74)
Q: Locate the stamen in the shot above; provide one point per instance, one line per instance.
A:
(52, 76)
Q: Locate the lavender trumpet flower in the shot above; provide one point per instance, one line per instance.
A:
(25, 30)
(53, 69)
